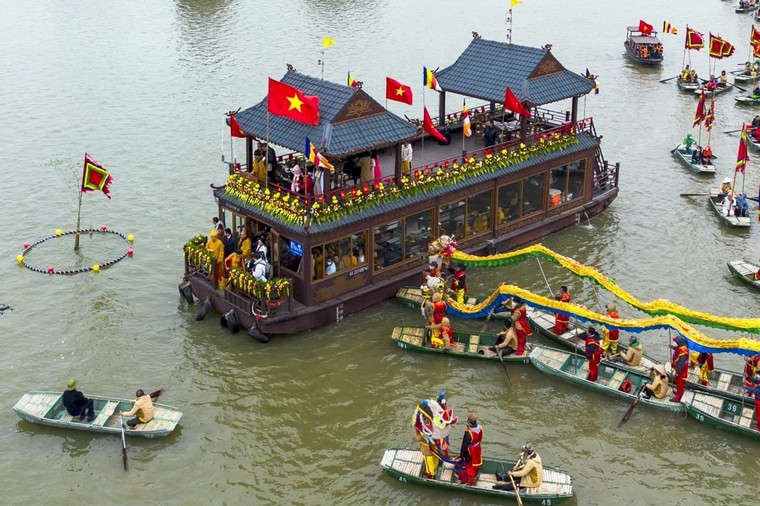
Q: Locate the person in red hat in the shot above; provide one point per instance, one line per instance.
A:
(679, 362)
(471, 452)
(593, 353)
(611, 336)
(561, 320)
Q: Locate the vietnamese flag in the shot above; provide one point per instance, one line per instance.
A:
(284, 100)
(394, 90)
(235, 130)
(427, 125)
(511, 103)
(645, 28)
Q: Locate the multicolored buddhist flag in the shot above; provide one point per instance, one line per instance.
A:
(699, 116)
(95, 177)
(429, 80)
(466, 126)
(668, 28)
(742, 157)
(645, 27)
(511, 103)
(351, 81)
(427, 125)
(394, 90)
(694, 39)
(315, 157)
(592, 77)
(285, 100)
(235, 130)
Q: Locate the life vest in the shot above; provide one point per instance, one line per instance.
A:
(627, 386)
(474, 448)
(613, 333)
(439, 311)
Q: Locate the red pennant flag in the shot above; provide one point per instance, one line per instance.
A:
(427, 125)
(754, 35)
(235, 130)
(710, 114)
(394, 90)
(700, 114)
(645, 28)
(95, 177)
(742, 157)
(511, 103)
(284, 100)
(694, 39)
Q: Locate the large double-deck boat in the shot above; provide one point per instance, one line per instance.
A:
(354, 245)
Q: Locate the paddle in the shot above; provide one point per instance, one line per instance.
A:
(732, 131)
(123, 444)
(738, 88)
(696, 195)
(157, 393)
(668, 79)
(490, 314)
(630, 409)
(501, 359)
(517, 490)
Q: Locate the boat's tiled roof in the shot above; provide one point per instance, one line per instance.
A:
(373, 129)
(486, 68)
(585, 142)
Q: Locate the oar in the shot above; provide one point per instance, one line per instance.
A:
(696, 195)
(738, 88)
(157, 393)
(485, 325)
(668, 79)
(630, 409)
(505, 367)
(517, 490)
(123, 444)
(732, 131)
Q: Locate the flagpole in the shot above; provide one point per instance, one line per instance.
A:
(79, 214)
(322, 77)
(509, 26)
(266, 153)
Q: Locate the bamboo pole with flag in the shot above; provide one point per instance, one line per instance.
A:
(742, 157)
(466, 126)
(699, 116)
(94, 178)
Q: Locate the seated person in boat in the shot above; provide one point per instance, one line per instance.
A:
(756, 134)
(707, 155)
(728, 205)
(76, 403)
(143, 409)
(685, 74)
(632, 355)
(696, 155)
(726, 188)
(527, 473)
(748, 68)
(506, 340)
(659, 384)
(444, 338)
(712, 83)
(741, 206)
(688, 142)
(693, 76)
(756, 119)
(705, 362)
(757, 275)
(723, 79)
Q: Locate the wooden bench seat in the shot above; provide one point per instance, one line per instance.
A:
(105, 413)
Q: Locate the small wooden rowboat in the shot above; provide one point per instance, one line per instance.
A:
(411, 296)
(716, 203)
(745, 272)
(721, 381)
(573, 368)
(741, 76)
(718, 90)
(406, 465)
(687, 86)
(748, 99)
(472, 345)
(46, 408)
(753, 6)
(721, 412)
(685, 157)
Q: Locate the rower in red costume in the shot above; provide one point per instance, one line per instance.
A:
(560, 320)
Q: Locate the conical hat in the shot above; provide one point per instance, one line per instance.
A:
(660, 369)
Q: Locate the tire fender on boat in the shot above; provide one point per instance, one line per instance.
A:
(230, 321)
(204, 310)
(186, 291)
(257, 335)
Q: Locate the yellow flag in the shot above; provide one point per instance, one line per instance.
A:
(512, 3)
(327, 41)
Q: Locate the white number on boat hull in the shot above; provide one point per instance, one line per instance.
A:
(700, 417)
(401, 345)
(546, 501)
(732, 408)
(402, 479)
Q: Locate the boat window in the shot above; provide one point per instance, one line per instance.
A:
(290, 255)
(567, 183)
(388, 244)
(479, 212)
(343, 254)
(418, 230)
(533, 194)
(451, 219)
(509, 203)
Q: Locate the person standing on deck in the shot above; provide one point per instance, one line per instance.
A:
(751, 366)
(753, 388)
(611, 336)
(490, 134)
(528, 472)
(679, 362)
(216, 248)
(705, 363)
(271, 164)
(143, 408)
(471, 452)
(459, 283)
(229, 241)
(365, 166)
(561, 320)
(632, 355)
(520, 321)
(593, 354)
(244, 245)
(406, 159)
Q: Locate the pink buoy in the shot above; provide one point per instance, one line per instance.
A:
(103, 228)
(26, 245)
(51, 269)
(130, 252)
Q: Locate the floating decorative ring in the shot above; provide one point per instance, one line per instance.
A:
(96, 267)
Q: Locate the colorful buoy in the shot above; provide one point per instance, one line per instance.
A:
(26, 245)
(131, 238)
(96, 268)
(130, 252)
(103, 228)
(20, 258)
(51, 269)
(58, 232)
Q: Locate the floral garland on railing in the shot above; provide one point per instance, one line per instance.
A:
(197, 254)
(332, 207)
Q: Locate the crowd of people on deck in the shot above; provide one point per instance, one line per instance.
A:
(650, 51)
(689, 75)
(243, 252)
(732, 204)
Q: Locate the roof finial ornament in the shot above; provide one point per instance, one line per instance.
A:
(547, 47)
(475, 35)
(291, 68)
(232, 113)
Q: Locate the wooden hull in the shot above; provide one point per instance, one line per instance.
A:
(698, 168)
(631, 53)
(741, 77)
(405, 464)
(718, 90)
(731, 221)
(721, 381)
(573, 368)
(411, 296)
(745, 272)
(723, 413)
(46, 408)
(471, 345)
(746, 10)
(748, 100)
(687, 87)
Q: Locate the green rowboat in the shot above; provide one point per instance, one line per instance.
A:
(685, 157)
(745, 272)
(716, 203)
(46, 408)
(406, 465)
(472, 345)
(411, 296)
(726, 414)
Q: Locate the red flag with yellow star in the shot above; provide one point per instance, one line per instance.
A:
(285, 100)
(394, 90)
